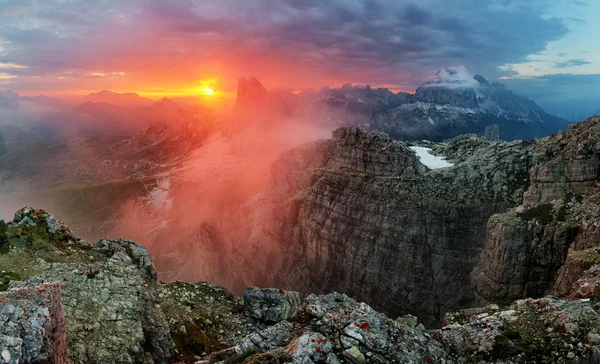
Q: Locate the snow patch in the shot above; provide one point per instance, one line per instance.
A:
(429, 160)
(426, 106)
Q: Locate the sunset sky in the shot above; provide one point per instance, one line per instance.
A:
(162, 48)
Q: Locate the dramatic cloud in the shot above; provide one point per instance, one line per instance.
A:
(572, 63)
(286, 43)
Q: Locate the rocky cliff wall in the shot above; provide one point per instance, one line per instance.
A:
(359, 214)
(527, 247)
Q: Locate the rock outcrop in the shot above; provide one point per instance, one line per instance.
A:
(106, 289)
(543, 330)
(32, 327)
(335, 329)
(269, 304)
(68, 301)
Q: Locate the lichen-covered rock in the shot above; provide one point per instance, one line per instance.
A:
(353, 355)
(270, 304)
(544, 330)
(107, 289)
(334, 329)
(272, 337)
(32, 327)
(202, 317)
(110, 303)
(580, 275)
(138, 254)
(356, 324)
(312, 348)
(35, 229)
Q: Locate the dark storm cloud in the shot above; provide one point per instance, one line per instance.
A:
(572, 63)
(377, 37)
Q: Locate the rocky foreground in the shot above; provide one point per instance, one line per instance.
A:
(65, 300)
(357, 214)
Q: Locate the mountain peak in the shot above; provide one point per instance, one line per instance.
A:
(250, 89)
(167, 102)
(453, 77)
(482, 81)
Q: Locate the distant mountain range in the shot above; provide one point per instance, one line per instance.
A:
(451, 103)
(118, 99)
(105, 114)
(102, 120)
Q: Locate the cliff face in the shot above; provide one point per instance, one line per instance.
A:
(403, 241)
(359, 214)
(526, 246)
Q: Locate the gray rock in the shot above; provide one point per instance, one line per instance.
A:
(108, 301)
(354, 355)
(542, 330)
(270, 304)
(312, 348)
(408, 320)
(138, 254)
(32, 327)
(357, 324)
(275, 336)
(337, 329)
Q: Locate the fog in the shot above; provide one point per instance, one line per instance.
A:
(176, 178)
(210, 185)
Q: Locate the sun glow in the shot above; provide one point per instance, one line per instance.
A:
(206, 87)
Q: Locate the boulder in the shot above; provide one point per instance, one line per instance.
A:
(32, 326)
(138, 254)
(108, 301)
(353, 355)
(270, 304)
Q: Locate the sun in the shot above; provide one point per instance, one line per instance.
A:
(205, 87)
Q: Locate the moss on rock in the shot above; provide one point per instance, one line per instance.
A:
(192, 340)
(6, 277)
(34, 229)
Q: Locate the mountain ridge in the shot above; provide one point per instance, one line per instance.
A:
(453, 102)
